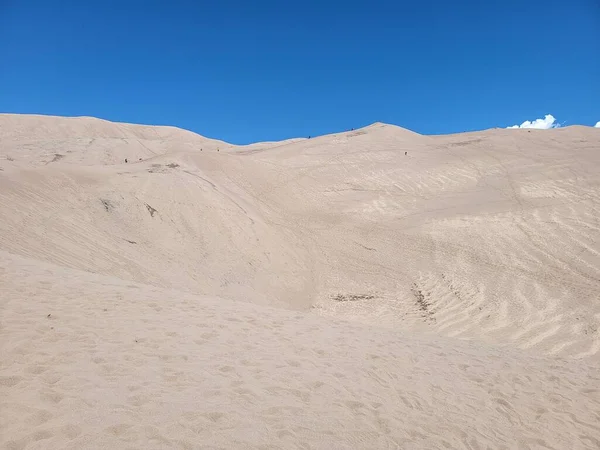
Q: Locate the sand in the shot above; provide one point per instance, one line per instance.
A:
(316, 293)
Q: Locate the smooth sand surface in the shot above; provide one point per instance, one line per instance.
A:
(316, 293)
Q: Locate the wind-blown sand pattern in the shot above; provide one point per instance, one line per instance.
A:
(313, 293)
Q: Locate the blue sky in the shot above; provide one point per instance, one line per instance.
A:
(247, 71)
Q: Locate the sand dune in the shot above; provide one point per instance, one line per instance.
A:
(42, 140)
(331, 292)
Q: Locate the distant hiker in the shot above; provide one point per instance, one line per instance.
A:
(125, 159)
(405, 153)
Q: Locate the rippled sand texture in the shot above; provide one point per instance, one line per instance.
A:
(314, 293)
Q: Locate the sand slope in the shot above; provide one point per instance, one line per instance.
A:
(331, 292)
(122, 365)
(42, 140)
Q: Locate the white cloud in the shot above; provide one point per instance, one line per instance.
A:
(597, 125)
(541, 124)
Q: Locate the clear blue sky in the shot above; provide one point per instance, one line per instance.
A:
(246, 71)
